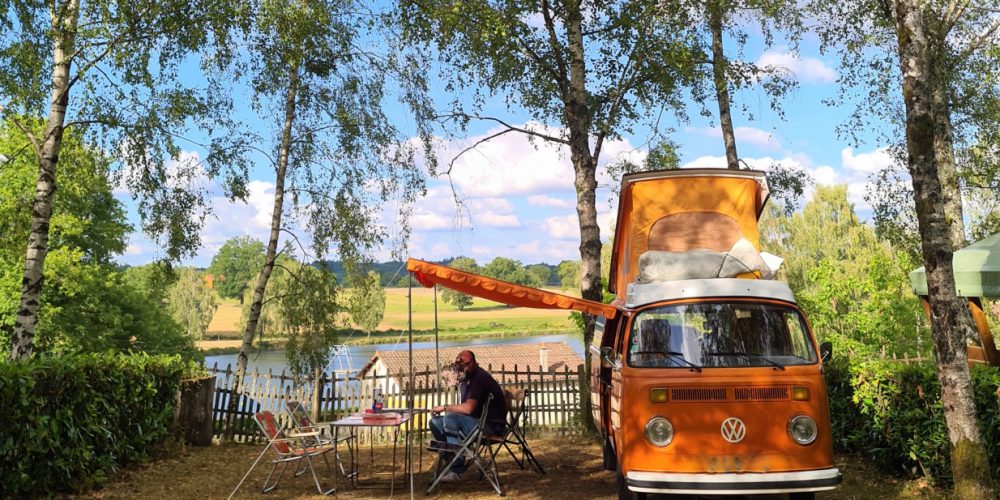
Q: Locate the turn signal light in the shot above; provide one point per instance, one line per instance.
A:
(658, 395)
(800, 394)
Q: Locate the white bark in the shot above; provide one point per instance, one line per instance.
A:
(64, 22)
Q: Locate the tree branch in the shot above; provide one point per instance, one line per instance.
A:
(981, 40)
(24, 130)
(451, 163)
(505, 124)
(7, 160)
(305, 253)
(955, 10)
(563, 78)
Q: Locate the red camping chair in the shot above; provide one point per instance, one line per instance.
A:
(288, 447)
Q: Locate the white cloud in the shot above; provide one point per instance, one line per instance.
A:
(133, 249)
(186, 172)
(866, 163)
(706, 162)
(429, 222)
(747, 135)
(530, 248)
(493, 219)
(501, 205)
(824, 175)
(562, 227)
(515, 164)
(809, 69)
(539, 200)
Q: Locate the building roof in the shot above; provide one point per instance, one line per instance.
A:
(557, 355)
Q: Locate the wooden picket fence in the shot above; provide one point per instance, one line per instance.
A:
(553, 404)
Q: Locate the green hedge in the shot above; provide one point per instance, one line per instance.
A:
(892, 413)
(67, 423)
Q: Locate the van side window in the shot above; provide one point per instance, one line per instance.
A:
(800, 344)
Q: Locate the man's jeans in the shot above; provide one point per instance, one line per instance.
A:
(452, 428)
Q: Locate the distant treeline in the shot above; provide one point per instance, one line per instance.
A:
(394, 273)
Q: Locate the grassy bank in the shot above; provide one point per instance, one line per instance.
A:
(483, 319)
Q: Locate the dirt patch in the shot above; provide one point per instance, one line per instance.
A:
(573, 466)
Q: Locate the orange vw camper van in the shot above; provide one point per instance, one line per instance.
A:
(705, 375)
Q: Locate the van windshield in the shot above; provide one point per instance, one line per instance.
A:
(719, 334)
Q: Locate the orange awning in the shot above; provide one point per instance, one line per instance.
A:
(429, 274)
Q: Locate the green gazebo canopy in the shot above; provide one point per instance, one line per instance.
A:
(977, 270)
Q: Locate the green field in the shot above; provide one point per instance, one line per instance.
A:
(483, 317)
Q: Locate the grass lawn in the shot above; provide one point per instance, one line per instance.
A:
(573, 466)
(482, 316)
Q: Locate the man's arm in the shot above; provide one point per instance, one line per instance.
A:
(464, 408)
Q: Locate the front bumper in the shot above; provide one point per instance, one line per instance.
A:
(733, 483)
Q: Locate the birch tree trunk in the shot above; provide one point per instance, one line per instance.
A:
(950, 320)
(721, 85)
(64, 22)
(944, 152)
(272, 243)
(578, 120)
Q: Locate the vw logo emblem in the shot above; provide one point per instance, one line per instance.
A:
(733, 430)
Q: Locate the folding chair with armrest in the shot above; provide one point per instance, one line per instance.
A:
(513, 433)
(469, 449)
(288, 447)
(303, 425)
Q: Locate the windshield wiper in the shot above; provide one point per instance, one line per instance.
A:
(749, 354)
(680, 356)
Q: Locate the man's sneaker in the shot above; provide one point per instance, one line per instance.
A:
(451, 477)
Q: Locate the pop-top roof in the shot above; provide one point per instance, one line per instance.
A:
(681, 210)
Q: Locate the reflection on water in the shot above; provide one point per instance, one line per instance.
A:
(358, 355)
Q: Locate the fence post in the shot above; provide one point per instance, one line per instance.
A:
(317, 389)
(582, 388)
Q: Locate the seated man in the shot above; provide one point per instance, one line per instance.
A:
(459, 420)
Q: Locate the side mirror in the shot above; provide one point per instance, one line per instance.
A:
(608, 358)
(825, 351)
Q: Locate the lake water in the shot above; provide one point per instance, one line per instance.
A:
(358, 355)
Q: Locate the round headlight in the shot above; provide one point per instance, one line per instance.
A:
(659, 431)
(802, 429)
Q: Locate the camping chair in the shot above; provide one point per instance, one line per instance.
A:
(288, 447)
(304, 425)
(513, 434)
(470, 449)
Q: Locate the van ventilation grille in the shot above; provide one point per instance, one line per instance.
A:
(761, 393)
(698, 394)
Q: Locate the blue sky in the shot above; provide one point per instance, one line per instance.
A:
(521, 196)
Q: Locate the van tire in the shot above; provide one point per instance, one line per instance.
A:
(802, 495)
(610, 460)
(624, 493)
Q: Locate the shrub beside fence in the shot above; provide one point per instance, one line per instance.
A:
(891, 412)
(554, 404)
(69, 422)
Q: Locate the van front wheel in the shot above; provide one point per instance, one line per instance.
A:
(803, 495)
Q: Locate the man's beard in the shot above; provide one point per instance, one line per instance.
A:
(460, 374)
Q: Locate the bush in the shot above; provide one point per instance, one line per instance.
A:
(892, 413)
(69, 422)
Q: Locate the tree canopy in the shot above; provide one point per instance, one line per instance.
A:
(236, 263)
